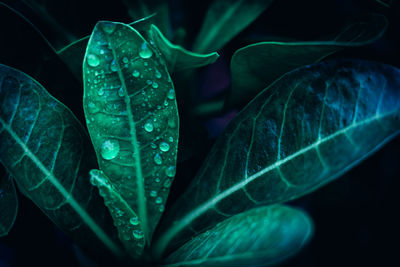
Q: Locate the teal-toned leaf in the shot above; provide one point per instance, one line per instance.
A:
(259, 237)
(132, 117)
(176, 57)
(305, 130)
(386, 3)
(8, 205)
(256, 66)
(72, 55)
(224, 20)
(46, 150)
(125, 219)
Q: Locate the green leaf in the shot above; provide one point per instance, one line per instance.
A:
(259, 237)
(125, 219)
(46, 150)
(132, 117)
(176, 57)
(8, 205)
(72, 55)
(224, 20)
(305, 130)
(256, 66)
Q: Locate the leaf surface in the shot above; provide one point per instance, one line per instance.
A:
(176, 57)
(132, 117)
(8, 205)
(305, 130)
(46, 150)
(257, 65)
(224, 20)
(259, 237)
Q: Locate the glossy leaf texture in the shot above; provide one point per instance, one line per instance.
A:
(176, 57)
(8, 205)
(72, 55)
(46, 150)
(256, 66)
(305, 130)
(224, 20)
(125, 219)
(132, 117)
(260, 237)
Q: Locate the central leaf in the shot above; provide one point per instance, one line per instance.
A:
(132, 117)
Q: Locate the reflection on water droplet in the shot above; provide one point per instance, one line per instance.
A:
(171, 94)
(164, 146)
(108, 27)
(167, 183)
(138, 234)
(135, 73)
(157, 159)
(158, 200)
(113, 66)
(134, 220)
(109, 149)
(155, 85)
(145, 51)
(125, 60)
(171, 139)
(153, 193)
(121, 92)
(93, 60)
(170, 171)
(148, 126)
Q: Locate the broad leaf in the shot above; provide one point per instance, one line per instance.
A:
(72, 55)
(125, 219)
(259, 237)
(46, 150)
(224, 20)
(305, 130)
(8, 205)
(132, 118)
(257, 65)
(176, 57)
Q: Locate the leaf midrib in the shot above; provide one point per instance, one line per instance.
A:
(201, 209)
(68, 197)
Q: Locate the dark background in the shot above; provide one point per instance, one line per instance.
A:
(356, 222)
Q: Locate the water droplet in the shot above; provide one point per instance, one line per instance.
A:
(164, 146)
(138, 234)
(167, 183)
(109, 149)
(157, 159)
(170, 171)
(113, 66)
(171, 139)
(108, 27)
(145, 51)
(157, 180)
(93, 60)
(154, 146)
(155, 85)
(125, 60)
(134, 220)
(121, 92)
(171, 94)
(100, 92)
(158, 74)
(165, 102)
(135, 73)
(158, 200)
(148, 126)
(153, 193)
(149, 82)
(161, 208)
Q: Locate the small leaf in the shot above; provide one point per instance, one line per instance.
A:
(256, 66)
(132, 117)
(125, 219)
(259, 237)
(224, 20)
(176, 57)
(46, 150)
(305, 130)
(72, 55)
(8, 205)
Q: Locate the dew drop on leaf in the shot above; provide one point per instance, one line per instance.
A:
(145, 51)
(155, 85)
(158, 200)
(171, 94)
(170, 171)
(138, 234)
(108, 27)
(125, 60)
(113, 66)
(164, 146)
(158, 74)
(134, 220)
(109, 149)
(167, 183)
(161, 208)
(121, 92)
(135, 73)
(100, 92)
(93, 60)
(148, 126)
(153, 193)
(158, 159)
